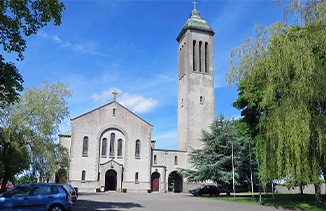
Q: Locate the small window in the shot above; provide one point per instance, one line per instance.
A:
(120, 147)
(175, 160)
(201, 100)
(113, 112)
(85, 146)
(112, 144)
(155, 160)
(137, 150)
(104, 146)
(83, 175)
(181, 103)
(136, 177)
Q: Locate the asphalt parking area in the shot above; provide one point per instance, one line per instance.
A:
(157, 201)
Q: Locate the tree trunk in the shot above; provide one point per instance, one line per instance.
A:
(301, 189)
(318, 199)
(6, 163)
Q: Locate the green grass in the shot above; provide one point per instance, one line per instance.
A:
(290, 201)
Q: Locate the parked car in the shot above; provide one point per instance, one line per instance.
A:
(37, 196)
(207, 189)
(8, 186)
(72, 191)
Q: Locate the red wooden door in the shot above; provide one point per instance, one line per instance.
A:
(156, 184)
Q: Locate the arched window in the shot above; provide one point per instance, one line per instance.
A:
(200, 44)
(85, 146)
(113, 112)
(83, 175)
(137, 151)
(104, 146)
(112, 144)
(155, 159)
(201, 100)
(175, 160)
(194, 55)
(136, 177)
(120, 147)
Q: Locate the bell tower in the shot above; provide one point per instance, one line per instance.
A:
(196, 101)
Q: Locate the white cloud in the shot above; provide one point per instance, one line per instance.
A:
(106, 95)
(137, 103)
(56, 38)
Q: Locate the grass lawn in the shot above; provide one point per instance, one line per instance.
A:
(291, 201)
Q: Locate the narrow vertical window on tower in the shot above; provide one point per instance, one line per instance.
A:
(175, 160)
(104, 147)
(112, 144)
(113, 112)
(137, 150)
(85, 146)
(206, 57)
(194, 55)
(201, 101)
(199, 60)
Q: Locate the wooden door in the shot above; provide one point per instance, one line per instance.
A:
(156, 184)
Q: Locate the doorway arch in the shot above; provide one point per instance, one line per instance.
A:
(175, 182)
(110, 180)
(155, 184)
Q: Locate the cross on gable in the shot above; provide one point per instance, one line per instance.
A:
(115, 93)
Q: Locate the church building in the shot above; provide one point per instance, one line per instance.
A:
(111, 148)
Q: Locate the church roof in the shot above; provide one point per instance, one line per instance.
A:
(197, 23)
(65, 134)
(110, 104)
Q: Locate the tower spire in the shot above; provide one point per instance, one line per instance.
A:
(195, 3)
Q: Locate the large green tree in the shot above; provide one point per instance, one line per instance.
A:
(29, 128)
(20, 18)
(214, 160)
(281, 80)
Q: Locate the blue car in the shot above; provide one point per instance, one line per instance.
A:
(37, 196)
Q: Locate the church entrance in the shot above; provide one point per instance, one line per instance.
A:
(110, 180)
(155, 185)
(175, 182)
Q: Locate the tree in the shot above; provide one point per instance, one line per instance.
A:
(18, 18)
(281, 81)
(214, 160)
(29, 131)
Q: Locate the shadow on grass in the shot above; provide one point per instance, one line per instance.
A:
(288, 201)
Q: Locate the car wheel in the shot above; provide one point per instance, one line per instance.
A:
(57, 207)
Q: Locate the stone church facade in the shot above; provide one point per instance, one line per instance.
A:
(111, 148)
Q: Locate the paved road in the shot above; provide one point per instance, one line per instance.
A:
(158, 202)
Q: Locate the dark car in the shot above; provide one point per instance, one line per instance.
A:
(37, 196)
(205, 190)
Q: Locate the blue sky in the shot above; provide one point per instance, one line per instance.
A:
(130, 46)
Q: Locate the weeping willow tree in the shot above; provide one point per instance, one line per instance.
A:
(281, 77)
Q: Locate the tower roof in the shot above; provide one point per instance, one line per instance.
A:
(197, 23)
